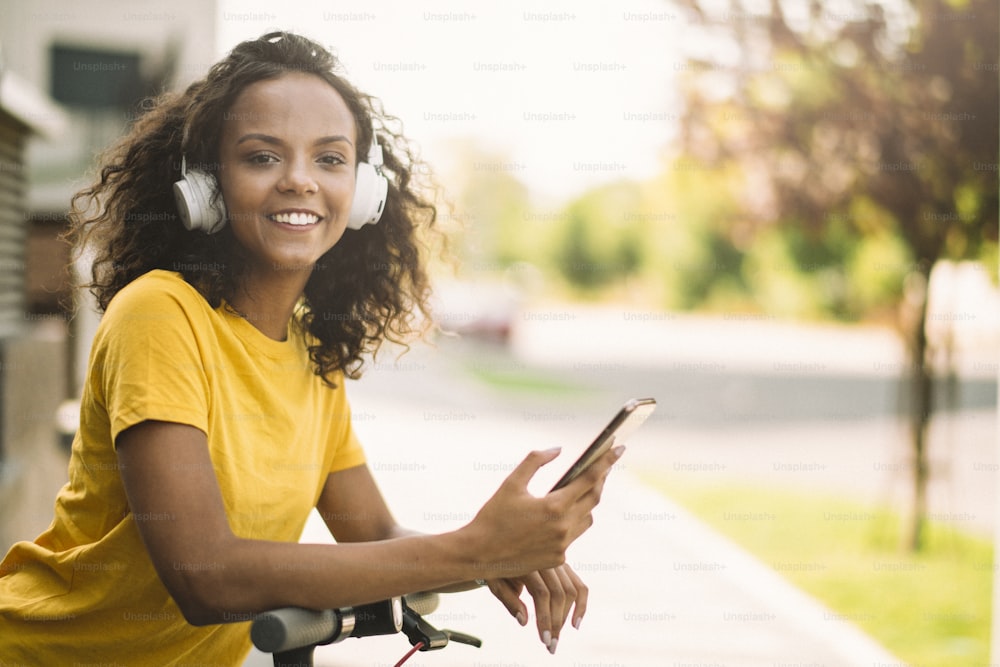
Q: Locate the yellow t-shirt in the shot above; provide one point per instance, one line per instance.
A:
(85, 591)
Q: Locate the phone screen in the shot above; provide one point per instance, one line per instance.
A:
(628, 419)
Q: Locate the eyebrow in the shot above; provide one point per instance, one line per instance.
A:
(266, 138)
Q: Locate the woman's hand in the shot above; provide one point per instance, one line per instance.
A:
(516, 533)
(555, 592)
(525, 539)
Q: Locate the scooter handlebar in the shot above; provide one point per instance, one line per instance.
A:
(290, 628)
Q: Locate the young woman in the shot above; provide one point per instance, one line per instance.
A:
(214, 416)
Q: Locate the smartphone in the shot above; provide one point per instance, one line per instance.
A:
(629, 418)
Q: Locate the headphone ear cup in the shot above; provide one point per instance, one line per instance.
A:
(199, 207)
(370, 191)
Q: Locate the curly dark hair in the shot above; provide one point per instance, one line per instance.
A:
(370, 287)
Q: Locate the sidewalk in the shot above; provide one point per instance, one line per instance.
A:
(665, 590)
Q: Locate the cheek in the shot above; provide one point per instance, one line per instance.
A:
(241, 191)
(340, 192)
(345, 186)
(227, 186)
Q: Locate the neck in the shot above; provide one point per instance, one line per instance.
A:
(269, 304)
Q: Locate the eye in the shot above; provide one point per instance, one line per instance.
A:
(262, 158)
(331, 159)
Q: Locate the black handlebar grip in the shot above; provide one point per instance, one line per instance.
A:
(290, 628)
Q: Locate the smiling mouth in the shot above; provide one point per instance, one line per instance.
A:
(297, 219)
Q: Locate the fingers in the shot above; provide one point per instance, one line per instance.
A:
(582, 595)
(591, 482)
(546, 591)
(525, 470)
(566, 591)
(598, 472)
(508, 591)
(554, 593)
(516, 528)
(576, 500)
(570, 593)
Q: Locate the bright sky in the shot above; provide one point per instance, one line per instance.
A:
(566, 95)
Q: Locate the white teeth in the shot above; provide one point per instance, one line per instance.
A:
(296, 218)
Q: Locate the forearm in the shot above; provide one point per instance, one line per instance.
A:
(252, 576)
(397, 531)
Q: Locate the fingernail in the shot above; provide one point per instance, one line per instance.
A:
(521, 618)
(547, 639)
(552, 646)
(577, 621)
(552, 450)
(619, 450)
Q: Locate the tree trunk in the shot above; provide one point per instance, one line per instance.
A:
(920, 404)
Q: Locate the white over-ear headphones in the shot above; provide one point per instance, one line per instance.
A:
(200, 205)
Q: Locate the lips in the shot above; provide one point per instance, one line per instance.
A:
(296, 218)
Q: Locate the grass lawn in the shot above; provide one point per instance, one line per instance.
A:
(930, 609)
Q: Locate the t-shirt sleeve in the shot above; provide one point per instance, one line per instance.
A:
(151, 367)
(349, 453)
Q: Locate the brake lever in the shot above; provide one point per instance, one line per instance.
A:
(419, 631)
(463, 638)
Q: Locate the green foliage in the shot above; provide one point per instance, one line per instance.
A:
(498, 205)
(834, 111)
(598, 242)
(990, 257)
(687, 237)
(878, 264)
(777, 280)
(496, 225)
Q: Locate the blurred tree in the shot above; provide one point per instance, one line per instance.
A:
(499, 205)
(700, 251)
(882, 117)
(598, 241)
(496, 224)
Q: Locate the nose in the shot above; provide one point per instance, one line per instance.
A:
(297, 178)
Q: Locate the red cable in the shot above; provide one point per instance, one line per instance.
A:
(416, 647)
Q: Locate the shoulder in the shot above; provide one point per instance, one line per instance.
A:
(155, 295)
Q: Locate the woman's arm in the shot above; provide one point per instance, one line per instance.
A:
(215, 576)
(354, 510)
